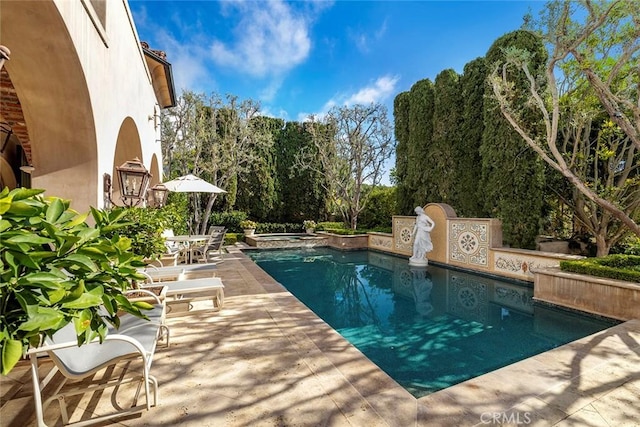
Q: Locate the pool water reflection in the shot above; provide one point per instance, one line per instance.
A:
(428, 328)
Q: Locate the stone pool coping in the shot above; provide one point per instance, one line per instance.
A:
(266, 360)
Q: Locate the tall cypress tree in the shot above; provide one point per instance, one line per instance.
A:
(447, 112)
(404, 193)
(512, 174)
(420, 179)
(469, 200)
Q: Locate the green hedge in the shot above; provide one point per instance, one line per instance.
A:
(326, 226)
(341, 231)
(619, 267)
(275, 227)
(230, 239)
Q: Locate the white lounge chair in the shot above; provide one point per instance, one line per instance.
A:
(135, 338)
(160, 274)
(182, 293)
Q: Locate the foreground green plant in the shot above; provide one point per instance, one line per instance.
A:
(144, 227)
(56, 269)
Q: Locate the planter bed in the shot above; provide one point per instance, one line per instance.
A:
(596, 295)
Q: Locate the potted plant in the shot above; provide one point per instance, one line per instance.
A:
(309, 225)
(56, 269)
(248, 226)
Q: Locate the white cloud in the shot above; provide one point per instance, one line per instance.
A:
(364, 40)
(379, 91)
(271, 38)
(187, 61)
(268, 93)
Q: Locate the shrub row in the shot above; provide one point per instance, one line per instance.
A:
(274, 227)
(619, 267)
(230, 239)
(325, 226)
(342, 231)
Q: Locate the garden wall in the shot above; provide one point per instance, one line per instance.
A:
(597, 295)
(470, 243)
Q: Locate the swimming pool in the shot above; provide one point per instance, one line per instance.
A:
(428, 328)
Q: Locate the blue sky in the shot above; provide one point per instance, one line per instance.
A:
(300, 58)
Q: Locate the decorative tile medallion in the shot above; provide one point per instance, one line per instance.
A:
(403, 234)
(469, 242)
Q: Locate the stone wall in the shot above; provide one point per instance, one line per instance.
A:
(597, 295)
(346, 242)
(470, 243)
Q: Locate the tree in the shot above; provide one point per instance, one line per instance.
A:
(351, 146)
(419, 178)
(513, 175)
(445, 149)
(468, 162)
(404, 198)
(215, 139)
(592, 69)
(257, 186)
(295, 202)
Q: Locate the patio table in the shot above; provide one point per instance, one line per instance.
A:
(189, 240)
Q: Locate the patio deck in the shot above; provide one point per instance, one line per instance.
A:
(266, 360)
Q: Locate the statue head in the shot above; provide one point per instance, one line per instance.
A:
(418, 210)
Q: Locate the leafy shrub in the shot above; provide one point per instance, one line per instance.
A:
(56, 269)
(144, 227)
(230, 239)
(619, 267)
(330, 225)
(382, 229)
(248, 224)
(231, 220)
(342, 231)
(628, 246)
(380, 208)
(276, 227)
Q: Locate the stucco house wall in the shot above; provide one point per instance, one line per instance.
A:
(85, 92)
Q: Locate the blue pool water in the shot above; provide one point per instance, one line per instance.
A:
(428, 328)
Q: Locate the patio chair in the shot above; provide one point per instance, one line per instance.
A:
(174, 248)
(216, 229)
(161, 274)
(205, 252)
(136, 338)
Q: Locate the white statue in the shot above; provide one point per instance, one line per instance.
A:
(421, 238)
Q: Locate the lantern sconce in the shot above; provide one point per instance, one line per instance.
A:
(157, 195)
(134, 180)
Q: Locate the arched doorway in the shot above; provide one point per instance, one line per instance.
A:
(128, 147)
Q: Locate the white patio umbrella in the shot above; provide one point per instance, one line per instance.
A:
(191, 184)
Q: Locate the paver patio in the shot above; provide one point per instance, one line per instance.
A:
(266, 360)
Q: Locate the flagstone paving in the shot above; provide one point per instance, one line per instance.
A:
(266, 360)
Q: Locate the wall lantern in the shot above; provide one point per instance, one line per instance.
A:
(157, 195)
(134, 179)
